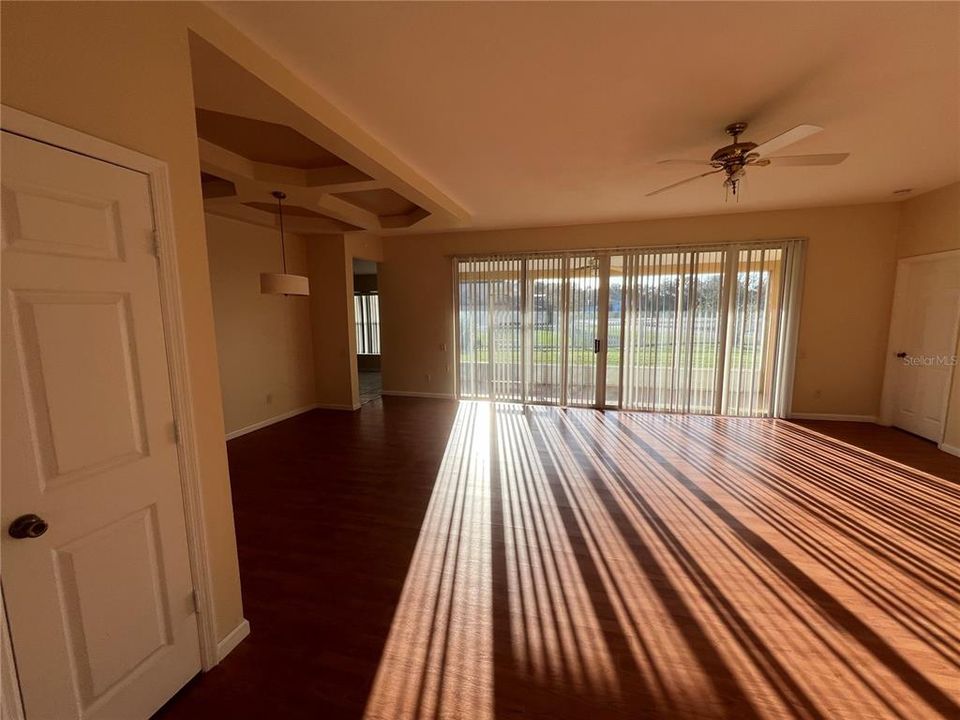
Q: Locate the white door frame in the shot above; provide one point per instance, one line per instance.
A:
(35, 128)
(11, 703)
(896, 322)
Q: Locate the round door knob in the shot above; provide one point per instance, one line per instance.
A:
(28, 526)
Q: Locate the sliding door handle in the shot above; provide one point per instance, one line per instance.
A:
(596, 345)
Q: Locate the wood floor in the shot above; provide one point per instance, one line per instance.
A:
(424, 559)
(371, 386)
(891, 443)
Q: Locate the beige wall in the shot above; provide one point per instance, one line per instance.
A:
(331, 303)
(930, 223)
(848, 290)
(299, 350)
(330, 267)
(264, 342)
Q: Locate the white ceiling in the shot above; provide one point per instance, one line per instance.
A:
(556, 113)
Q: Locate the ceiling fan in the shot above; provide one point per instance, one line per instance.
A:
(734, 159)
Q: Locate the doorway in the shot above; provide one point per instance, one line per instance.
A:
(704, 330)
(366, 317)
(923, 339)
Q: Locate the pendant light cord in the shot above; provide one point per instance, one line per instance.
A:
(283, 249)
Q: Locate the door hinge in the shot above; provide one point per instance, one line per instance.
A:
(176, 432)
(196, 601)
(155, 242)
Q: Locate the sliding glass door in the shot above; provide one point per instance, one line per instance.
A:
(584, 299)
(546, 302)
(528, 329)
(489, 332)
(692, 330)
(754, 311)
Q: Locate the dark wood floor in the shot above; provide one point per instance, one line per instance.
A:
(897, 445)
(424, 559)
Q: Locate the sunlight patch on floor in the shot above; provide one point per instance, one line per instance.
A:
(575, 562)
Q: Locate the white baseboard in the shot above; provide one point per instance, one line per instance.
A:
(405, 393)
(236, 636)
(834, 416)
(950, 449)
(327, 406)
(270, 421)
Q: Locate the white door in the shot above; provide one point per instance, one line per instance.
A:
(101, 604)
(924, 340)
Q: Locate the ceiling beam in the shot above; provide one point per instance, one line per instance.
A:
(311, 189)
(347, 212)
(334, 179)
(341, 178)
(291, 223)
(394, 222)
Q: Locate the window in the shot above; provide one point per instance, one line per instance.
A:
(366, 313)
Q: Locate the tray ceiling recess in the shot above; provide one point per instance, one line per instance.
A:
(244, 159)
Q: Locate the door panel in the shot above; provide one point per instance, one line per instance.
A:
(925, 322)
(35, 216)
(100, 606)
(123, 554)
(96, 328)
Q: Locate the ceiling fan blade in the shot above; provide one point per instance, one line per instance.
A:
(800, 160)
(682, 162)
(683, 182)
(788, 138)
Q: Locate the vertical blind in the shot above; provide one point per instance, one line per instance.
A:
(753, 327)
(366, 316)
(671, 310)
(695, 330)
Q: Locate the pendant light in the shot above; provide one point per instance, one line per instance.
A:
(283, 283)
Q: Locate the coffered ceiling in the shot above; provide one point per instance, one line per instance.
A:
(263, 142)
(555, 113)
(253, 141)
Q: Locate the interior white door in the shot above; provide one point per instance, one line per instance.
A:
(100, 605)
(925, 319)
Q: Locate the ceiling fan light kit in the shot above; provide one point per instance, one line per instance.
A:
(283, 283)
(735, 158)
